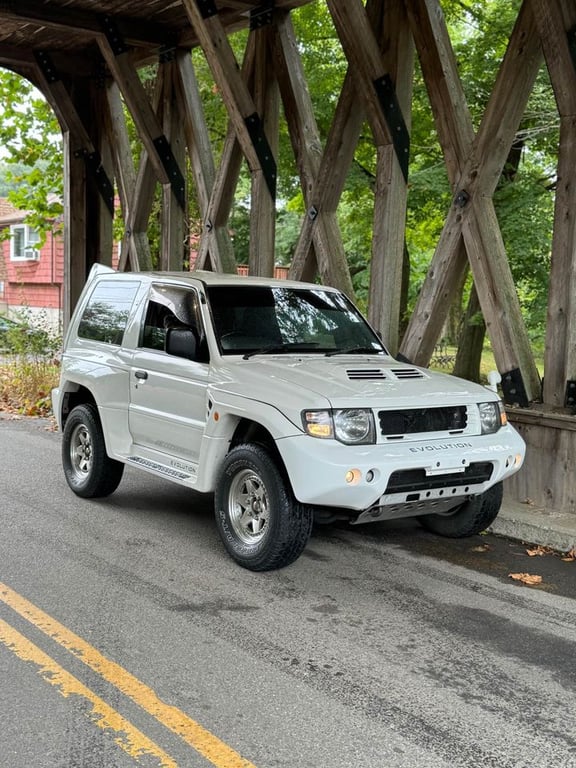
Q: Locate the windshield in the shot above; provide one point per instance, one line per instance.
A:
(260, 320)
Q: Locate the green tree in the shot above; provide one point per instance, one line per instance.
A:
(32, 147)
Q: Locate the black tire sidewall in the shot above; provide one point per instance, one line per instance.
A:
(289, 523)
(105, 474)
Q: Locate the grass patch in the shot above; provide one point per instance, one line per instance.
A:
(26, 384)
(445, 356)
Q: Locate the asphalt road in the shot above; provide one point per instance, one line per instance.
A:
(128, 637)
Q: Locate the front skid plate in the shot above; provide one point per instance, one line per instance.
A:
(409, 509)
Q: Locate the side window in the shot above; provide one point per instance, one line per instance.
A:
(173, 307)
(107, 311)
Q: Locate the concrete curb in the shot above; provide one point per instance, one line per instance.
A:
(536, 525)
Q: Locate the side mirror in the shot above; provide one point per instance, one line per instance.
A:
(181, 342)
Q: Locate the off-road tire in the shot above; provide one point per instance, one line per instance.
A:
(88, 469)
(261, 524)
(472, 517)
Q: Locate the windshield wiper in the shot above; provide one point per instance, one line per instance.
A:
(269, 350)
(351, 350)
(286, 348)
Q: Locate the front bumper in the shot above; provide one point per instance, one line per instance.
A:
(401, 477)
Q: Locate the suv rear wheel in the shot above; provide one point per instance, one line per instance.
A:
(261, 524)
(472, 517)
(89, 471)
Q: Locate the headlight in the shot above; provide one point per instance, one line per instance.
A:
(492, 417)
(353, 426)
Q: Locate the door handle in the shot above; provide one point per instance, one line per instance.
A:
(143, 375)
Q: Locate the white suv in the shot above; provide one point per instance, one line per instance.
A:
(280, 399)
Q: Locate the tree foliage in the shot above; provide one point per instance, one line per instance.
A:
(31, 142)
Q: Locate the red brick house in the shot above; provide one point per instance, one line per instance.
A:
(31, 276)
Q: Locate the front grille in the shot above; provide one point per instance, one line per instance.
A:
(408, 480)
(414, 420)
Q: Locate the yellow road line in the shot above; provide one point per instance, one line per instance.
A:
(202, 740)
(129, 738)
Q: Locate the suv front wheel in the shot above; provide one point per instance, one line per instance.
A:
(261, 524)
(472, 517)
(88, 469)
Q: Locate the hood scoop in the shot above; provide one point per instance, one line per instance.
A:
(365, 374)
(407, 373)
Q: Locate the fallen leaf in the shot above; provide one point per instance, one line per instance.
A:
(526, 578)
(570, 557)
(481, 548)
(538, 551)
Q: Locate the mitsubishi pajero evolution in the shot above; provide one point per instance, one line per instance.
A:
(280, 399)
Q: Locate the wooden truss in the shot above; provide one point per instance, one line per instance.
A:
(380, 39)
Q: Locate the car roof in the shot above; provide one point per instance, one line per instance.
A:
(208, 278)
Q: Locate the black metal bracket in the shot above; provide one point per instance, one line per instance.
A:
(262, 15)
(112, 34)
(167, 53)
(570, 397)
(44, 61)
(172, 169)
(462, 199)
(514, 390)
(386, 93)
(312, 213)
(94, 165)
(263, 151)
(207, 8)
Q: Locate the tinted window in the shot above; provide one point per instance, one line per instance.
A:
(107, 311)
(248, 318)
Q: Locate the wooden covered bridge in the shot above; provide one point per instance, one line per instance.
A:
(85, 55)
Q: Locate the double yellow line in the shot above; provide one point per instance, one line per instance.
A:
(128, 737)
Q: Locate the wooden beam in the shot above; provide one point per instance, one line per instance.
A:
(202, 161)
(474, 175)
(372, 78)
(117, 57)
(79, 22)
(235, 93)
(320, 225)
(224, 189)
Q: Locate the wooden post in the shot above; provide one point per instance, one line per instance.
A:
(556, 20)
(75, 263)
(390, 197)
(174, 223)
(202, 160)
(263, 203)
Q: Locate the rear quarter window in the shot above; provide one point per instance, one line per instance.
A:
(106, 314)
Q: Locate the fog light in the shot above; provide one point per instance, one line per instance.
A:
(353, 476)
(518, 460)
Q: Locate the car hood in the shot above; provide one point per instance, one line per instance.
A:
(347, 381)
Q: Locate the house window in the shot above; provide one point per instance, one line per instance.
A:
(24, 243)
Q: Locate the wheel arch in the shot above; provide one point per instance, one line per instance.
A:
(75, 394)
(250, 431)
